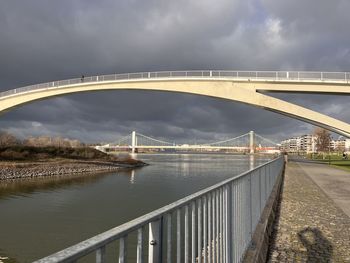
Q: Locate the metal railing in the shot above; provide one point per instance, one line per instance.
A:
(241, 75)
(213, 225)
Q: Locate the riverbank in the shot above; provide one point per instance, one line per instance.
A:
(15, 170)
(27, 161)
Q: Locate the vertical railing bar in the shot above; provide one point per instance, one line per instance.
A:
(239, 216)
(224, 223)
(101, 255)
(169, 244)
(217, 225)
(122, 250)
(187, 245)
(244, 212)
(140, 245)
(193, 236)
(213, 234)
(199, 230)
(234, 235)
(205, 228)
(213, 218)
(228, 217)
(250, 206)
(221, 224)
(262, 205)
(209, 227)
(178, 236)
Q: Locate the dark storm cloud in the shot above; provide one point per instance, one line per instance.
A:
(49, 40)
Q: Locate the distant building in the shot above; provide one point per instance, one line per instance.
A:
(304, 143)
(340, 145)
(307, 144)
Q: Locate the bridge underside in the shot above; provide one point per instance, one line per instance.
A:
(247, 92)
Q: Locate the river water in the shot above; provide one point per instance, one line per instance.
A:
(41, 216)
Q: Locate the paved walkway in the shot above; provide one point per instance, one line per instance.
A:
(312, 227)
(334, 182)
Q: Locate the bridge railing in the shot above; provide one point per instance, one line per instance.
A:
(243, 75)
(213, 225)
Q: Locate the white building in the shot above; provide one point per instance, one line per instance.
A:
(304, 143)
(341, 145)
(307, 144)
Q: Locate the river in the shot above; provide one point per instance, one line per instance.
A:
(41, 216)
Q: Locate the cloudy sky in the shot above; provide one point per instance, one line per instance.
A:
(44, 40)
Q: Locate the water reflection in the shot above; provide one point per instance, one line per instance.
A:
(25, 187)
(132, 176)
(43, 215)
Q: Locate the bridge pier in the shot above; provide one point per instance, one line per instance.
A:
(251, 142)
(133, 142)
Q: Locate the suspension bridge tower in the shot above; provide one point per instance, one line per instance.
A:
(133, 141)
(251, 142)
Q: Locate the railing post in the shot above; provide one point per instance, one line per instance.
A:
(155, 241)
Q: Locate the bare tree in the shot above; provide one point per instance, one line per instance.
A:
(7, 139)
(43, 141)
(323, 139)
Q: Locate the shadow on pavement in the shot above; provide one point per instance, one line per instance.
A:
(317, 246)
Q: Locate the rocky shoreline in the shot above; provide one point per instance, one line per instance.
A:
(10, 171)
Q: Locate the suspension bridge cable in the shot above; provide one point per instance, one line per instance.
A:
(152, 139)
(228, 140)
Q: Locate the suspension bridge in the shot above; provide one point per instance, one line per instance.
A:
(249, 142)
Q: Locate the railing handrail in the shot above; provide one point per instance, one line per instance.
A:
(85, 247)
(344, 77)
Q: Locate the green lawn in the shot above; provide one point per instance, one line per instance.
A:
(334, 160)
(344, 164)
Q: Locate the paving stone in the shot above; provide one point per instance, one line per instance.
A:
(310, 227)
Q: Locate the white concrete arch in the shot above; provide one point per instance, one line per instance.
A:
(242, 89)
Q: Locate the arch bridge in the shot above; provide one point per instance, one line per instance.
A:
(249, 87)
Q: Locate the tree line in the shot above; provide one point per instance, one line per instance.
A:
(7, 139)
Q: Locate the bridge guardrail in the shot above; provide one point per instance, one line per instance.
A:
(251, 75)
(213, 225)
